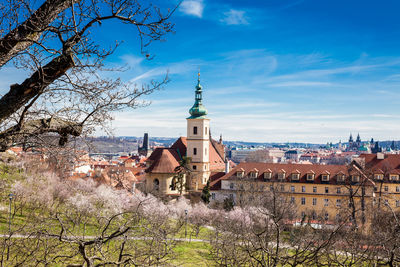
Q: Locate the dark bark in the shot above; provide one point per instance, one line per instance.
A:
(20, 94)
(30, 31)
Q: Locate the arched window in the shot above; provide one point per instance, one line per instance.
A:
(156, 184)
(173, 184)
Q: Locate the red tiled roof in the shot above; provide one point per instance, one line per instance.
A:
(318, 170)
(165, 160)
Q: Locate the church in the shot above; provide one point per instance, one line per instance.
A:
(197, 157)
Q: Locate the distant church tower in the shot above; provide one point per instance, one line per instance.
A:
(198, 141)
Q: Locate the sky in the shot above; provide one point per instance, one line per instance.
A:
(271, 70)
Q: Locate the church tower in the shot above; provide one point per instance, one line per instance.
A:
(198, 141)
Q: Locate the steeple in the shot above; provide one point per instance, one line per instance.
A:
(198, 111)
(351, 138)
(358, 138)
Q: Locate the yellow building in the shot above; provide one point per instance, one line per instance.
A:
(321, 192)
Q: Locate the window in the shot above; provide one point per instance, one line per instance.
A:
(355, 178)
(338, 190)
(212, 195)
(267, 175)
(375, 188)
(194, 167)
(386, 202)
(205, 131)
(194, 151)
(205, 167)
(326, 190)
(314, 189)
(156, 184)
(397, 203)
(310, 176)
(340, 178)
(205, 151)
(325, 177)
(195, 130)
(394, 177)
(292, 200)
(173, 184)
(282, 188)
(253, 174)
(314, 215)
(397, 188)
(240, 174)
(271, 188)
(281, 175)
(303, 214)
(231, 185)
(295, 176)
(338, 202)
(386, 188)
(326, 202)
(314, 201)
(303, 201)
(292, 189)
(303, 189)
(326, 216)
(378, 176)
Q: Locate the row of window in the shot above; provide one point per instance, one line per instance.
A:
(392, 177)
(311, 176)
(386, 189)
(296, 176)
(293, 188)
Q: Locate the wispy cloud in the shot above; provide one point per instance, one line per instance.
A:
(300, 84)
(192, 8)
(235, 17)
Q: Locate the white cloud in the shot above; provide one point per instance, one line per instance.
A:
(300, 84)
(235, 17)
(192, 7)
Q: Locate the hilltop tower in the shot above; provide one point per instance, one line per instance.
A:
(198, 141)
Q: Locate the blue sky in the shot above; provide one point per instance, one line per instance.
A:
(272, 70)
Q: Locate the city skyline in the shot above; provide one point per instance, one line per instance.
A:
(272, 71)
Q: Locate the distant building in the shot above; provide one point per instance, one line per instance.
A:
(144, 150)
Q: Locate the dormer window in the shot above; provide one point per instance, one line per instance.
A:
(267, 175)
(295, 176)
(253, 174)
(240, 173)
(281, 175)
(340, 177)
(355, 178)
(325, 177)
(378, 176)
(310, 176)
(394, 177)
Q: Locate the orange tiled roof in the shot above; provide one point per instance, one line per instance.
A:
(276, 168)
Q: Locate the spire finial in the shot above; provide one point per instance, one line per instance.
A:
(198, 75)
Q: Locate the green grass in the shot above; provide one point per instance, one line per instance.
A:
(192, 254)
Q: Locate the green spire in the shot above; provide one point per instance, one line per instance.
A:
(198, 111)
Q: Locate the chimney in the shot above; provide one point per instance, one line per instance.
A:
(227, 168)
